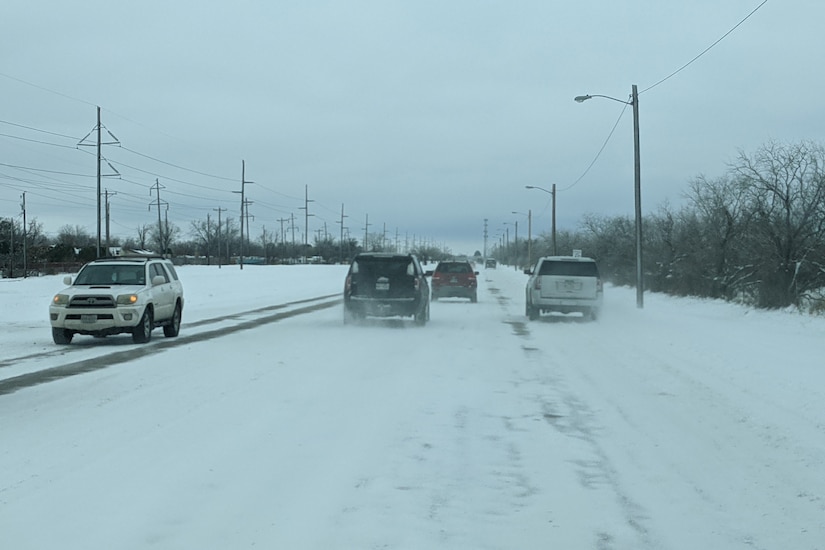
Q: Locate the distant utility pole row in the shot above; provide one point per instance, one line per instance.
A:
(164, 235)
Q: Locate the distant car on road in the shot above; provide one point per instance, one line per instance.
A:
(490, 262)
(454, 279)
(386, 285)
(131, 294)
(564, 284)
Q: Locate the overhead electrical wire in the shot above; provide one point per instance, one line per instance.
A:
(599, 154)
(668, 77)
(37, 141)
(37, 129)
(177, 166)
(706, 50)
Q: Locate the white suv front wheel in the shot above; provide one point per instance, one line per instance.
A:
(142, 333)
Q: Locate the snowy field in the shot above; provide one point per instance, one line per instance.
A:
(691, 424)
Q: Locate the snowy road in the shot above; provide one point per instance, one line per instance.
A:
(686, 425)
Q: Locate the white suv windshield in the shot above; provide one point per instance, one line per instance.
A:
(111, 275)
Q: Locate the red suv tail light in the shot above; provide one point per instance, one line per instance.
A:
(348, 285)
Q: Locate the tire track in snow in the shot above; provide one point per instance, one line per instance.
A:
(578, 421)
(260, 316)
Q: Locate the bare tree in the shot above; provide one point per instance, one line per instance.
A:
(722, 216)
(76, 236)
(785, 189)
(142, 236)
(205, 233)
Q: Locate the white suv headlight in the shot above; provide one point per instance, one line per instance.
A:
(60, 299)
(127, 299)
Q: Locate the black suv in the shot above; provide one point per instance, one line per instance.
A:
(386, 285)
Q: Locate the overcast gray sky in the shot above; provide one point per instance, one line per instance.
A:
(427, 116)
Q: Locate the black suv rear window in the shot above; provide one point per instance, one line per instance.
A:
(569, 269)
(383, 267)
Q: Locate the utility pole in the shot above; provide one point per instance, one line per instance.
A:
(485, 240)
(99, 157)
(366, 232)
(243, 202)
(25, 238)
(341, 240)
(166, 234)
(107, 218)
(247, 216)
(553, 229)
(515, 265)
(305, 208)
(161, 236)
(219, 209)
(283, 235)
(98, 127)
(243, 206)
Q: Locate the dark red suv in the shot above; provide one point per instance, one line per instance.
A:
(454, 279)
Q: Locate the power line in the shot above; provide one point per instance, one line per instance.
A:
(37, 141)
(73, 138)
(28, 168)
(706, 50)
(599, 154)
(177, 166)
(45, 89)
(674, 73)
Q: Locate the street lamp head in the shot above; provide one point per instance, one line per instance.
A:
(582, 98)
(529, 187)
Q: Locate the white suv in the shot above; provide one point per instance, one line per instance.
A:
(564, 284)
(131, 294)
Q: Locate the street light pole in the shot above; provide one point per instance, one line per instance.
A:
(553, 219)
(637, 164)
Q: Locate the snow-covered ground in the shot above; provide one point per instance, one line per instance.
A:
(689, 424)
